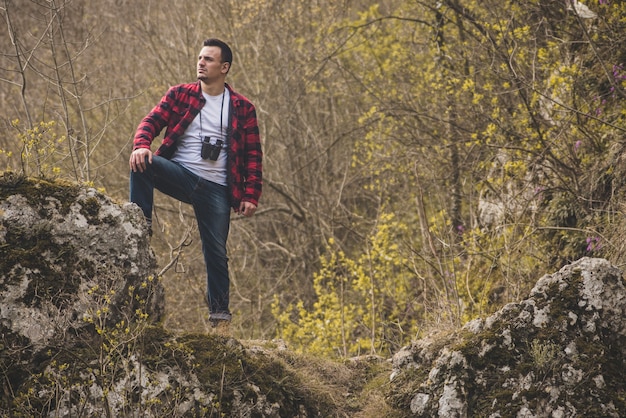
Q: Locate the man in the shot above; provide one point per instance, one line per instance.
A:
(210, 157)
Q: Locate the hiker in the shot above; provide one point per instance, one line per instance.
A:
(210, 157)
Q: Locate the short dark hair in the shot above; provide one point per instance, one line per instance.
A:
(227, 54)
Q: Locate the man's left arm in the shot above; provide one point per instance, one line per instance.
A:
(253, 164)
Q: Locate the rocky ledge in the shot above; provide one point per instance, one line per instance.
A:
(558, 353)
(80, 335)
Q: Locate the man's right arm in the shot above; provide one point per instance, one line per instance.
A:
(154, 122)
(149, 128)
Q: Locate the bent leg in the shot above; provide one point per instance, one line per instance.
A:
(164, 175)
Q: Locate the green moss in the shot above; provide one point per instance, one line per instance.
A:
(90, 208)
(110, 220)
(225, 368)
(52, 268)
(15, 353)
(564, 300)
(405, 386)
(38, 191)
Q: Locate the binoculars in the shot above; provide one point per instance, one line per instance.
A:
(211, 151)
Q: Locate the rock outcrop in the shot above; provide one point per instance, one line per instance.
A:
(67, 252)
(80, 334)
(559, 353)
(76, 275)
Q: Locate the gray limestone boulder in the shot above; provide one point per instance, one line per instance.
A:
(71, 260)
(558, 353)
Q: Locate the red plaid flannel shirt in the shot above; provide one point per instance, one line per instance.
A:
(176, 111)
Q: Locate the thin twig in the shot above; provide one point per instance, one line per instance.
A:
(175, 252)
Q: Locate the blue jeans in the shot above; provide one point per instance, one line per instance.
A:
(211, 206)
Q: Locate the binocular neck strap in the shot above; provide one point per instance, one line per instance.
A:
(221, 117)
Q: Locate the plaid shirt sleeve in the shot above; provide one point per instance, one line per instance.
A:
(175, 111)
(253, 159)
(152, 125)
(245, 171)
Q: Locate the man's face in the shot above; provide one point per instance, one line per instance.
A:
(210, 66)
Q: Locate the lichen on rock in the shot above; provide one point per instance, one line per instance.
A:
(560, 352)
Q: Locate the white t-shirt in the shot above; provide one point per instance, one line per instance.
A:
(206, 123)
